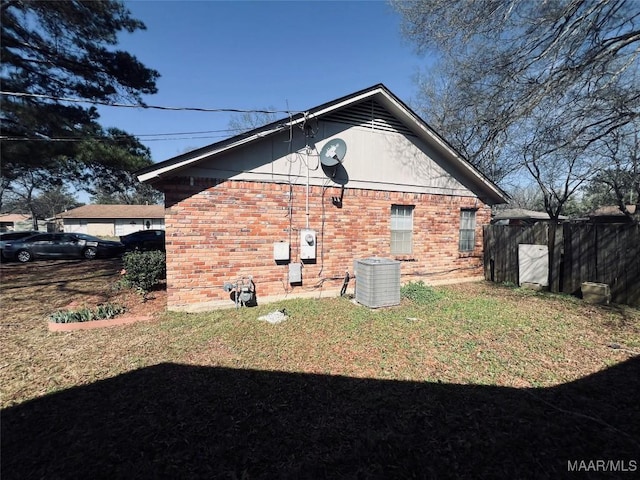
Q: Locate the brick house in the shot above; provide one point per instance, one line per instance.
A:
(295, 202)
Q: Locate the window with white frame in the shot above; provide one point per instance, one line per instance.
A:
(401, 229)
(467, 230)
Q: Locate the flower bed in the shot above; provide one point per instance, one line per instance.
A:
(105, 315)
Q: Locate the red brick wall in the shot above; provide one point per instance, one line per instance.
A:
(219, 231)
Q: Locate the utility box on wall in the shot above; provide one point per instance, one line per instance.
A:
(295, 273)
(307, 244)
(281, 251)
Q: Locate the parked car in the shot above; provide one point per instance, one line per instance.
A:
(144, 240)
(12, 236)
(60, 245)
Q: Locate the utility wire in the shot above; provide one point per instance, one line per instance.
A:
(139, 136)
(103, 139)
(226, 130)
(141, 105)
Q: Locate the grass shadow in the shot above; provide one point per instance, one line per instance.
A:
(58, 274)
(179, 421)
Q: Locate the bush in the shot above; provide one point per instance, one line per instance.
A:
(143, 270)
(418, 292)
(102, 312)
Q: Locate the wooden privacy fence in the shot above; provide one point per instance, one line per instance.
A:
(585, 252)
(501, 250)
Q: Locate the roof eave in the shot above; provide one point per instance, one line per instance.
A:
(427, 133)
(494, 195)
(154, 174)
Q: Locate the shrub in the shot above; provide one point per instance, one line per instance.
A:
(418, 292)
(102, 312)
(143, 270)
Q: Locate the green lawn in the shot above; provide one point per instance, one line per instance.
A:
(483, 381)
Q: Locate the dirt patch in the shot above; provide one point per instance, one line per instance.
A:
(154, 303)
(31, 292)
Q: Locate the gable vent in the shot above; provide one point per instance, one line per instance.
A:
(369, 114)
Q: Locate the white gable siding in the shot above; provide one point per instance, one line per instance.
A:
(277, 153)
(375, 159)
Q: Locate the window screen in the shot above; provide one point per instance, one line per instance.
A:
(401, 229)
(467, 230)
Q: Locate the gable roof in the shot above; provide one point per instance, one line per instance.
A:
(115, 211)
(14, 217)
(400, 114)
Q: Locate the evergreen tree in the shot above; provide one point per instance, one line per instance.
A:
(56, 50)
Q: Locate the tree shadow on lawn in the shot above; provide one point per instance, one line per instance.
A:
(59, 273)
(178, 421)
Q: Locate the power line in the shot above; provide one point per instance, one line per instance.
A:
(19, 139)
(226, 130)
(141, 105)
(103, 139)
(141, 136)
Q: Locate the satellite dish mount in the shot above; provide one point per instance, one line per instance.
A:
(332, 156)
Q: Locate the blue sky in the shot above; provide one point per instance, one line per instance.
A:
(287, 55)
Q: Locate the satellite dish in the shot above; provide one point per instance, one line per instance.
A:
(333, 152)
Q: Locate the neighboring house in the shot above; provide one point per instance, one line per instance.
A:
(112, 220)
(520, 216)
(20, 222)
(612, 214)
(294, 203)
(10, 222)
